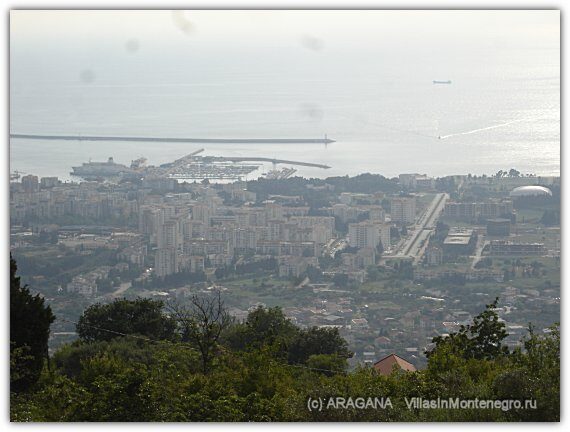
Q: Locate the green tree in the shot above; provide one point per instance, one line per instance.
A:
(268, 326)
(480, 340)
(202, 324)
(317, 341)
(265, 328)
(30, 322)
(143, 317)
(538, 366)
(314, 274)
(372, 273)
(380, 248)
(327, 364)
(340, 280)
(130, 379)
(514, 173)
(550, 218)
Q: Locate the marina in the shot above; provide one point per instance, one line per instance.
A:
(191, 167)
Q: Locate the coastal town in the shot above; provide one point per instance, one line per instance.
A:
(238, 215)
(390, 262)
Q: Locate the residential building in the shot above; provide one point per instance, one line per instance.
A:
(166, 262)
(368, 234)
(403, 210)
(391, 363)
(498, 227)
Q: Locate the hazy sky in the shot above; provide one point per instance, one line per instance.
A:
(316, 29)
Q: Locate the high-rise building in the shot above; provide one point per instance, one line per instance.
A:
(30, 183)
(384, 230)
(376, 213)
(169, 236)
(275, 229)
(49, 182)
(362, 235)
(166, 262)
(201, 212)
(368, 234)
(403, 210)
(273, 211)
(244, 239)
(322, 227)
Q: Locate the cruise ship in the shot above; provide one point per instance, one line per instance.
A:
(100, 169)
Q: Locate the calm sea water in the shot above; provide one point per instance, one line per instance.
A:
(502, 110)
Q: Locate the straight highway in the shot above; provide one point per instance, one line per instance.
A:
(414, 245)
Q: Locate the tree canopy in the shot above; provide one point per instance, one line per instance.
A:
(30, 321)
(267, 369)
(144, 317)
(483, 339)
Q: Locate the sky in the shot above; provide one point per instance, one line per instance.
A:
(316, 29)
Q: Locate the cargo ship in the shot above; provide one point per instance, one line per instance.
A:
(442, 82)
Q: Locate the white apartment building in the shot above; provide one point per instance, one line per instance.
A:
(202, 213)
(166, 262)
(368, 234)
(169, 236)
(403, 210)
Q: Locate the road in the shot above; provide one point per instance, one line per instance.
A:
(478, 250)
(334, 246)
(121, 290)
(415, 244)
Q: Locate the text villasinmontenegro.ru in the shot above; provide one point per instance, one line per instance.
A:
(456, 403)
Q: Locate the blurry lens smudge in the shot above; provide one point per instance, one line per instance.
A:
(181, 22)
(87, 76)
(313, 43)
(312, 111)
(132, 46)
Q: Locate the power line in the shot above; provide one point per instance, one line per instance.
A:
(147, 339)
(315, 369)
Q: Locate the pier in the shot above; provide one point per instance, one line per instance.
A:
(262, 159)
(324, 140)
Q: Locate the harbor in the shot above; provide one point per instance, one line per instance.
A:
(191, 167)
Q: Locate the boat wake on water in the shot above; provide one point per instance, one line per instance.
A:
(469, 132)
(412, 132)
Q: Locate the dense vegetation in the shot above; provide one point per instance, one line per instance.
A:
(57, 266)
(266, 369)
(29, 332)
(297, 186)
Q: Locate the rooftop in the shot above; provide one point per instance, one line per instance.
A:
(456, 240)
(530, 191)
(460, 232)
(386, 365)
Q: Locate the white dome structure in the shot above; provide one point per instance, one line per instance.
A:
(529, 191)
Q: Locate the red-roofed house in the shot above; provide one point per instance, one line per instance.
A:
(386, 365)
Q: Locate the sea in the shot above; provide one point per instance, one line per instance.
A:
(381, 106)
